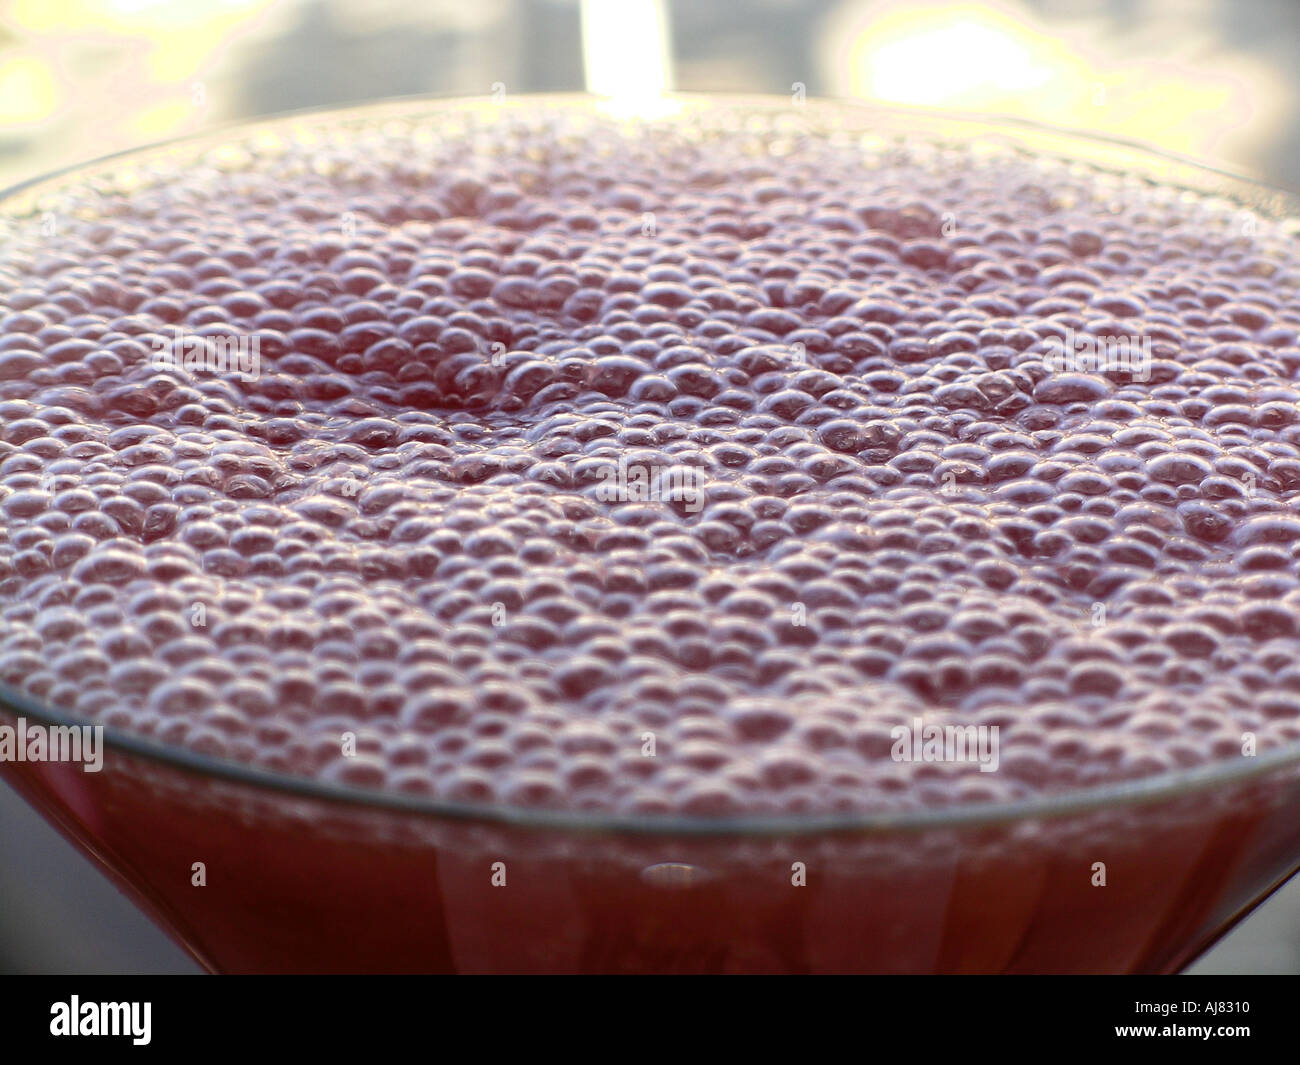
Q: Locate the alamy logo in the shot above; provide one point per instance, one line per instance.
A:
(229, 354)
(633, 483)
(1085, 353)
(133, 1019)
(53, 743)
(919, 742)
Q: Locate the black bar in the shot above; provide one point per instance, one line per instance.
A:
(895, 1015)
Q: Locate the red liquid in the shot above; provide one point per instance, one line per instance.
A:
(303, 886)
(397, 526)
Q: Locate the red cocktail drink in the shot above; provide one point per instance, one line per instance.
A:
(512, 538)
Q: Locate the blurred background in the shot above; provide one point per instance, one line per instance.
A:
(1214, 79)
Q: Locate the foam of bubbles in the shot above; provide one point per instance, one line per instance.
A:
(399, 527)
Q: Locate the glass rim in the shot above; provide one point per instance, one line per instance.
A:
(1201, 177)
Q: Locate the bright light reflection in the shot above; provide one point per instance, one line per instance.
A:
(912, 62)
(625, 53)
(1088, 72)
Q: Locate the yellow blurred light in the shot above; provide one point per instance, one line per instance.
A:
(998, 58)
(121, 16)
(938, 56)
(28, 91)
(161, 119)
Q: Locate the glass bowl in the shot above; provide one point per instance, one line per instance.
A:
(257, 871)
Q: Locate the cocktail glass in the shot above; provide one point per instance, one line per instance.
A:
(256, 871)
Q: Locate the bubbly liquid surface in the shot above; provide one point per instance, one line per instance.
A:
(654, 470)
